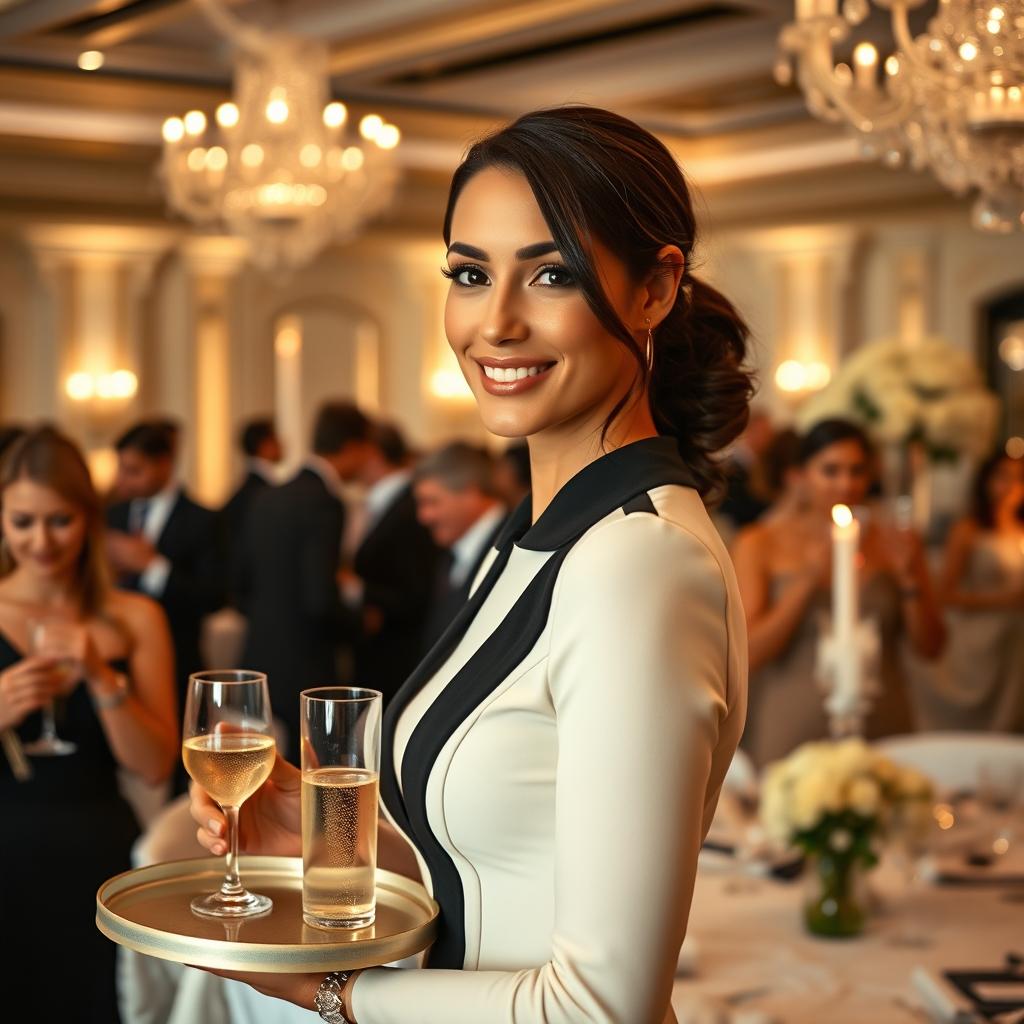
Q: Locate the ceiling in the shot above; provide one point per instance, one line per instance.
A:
(699, 72)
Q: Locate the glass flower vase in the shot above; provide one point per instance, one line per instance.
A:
(834, 907)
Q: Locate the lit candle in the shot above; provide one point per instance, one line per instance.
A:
(845, 545)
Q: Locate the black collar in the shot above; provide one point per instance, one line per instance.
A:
(596, 491)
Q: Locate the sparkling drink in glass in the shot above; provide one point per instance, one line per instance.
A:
(340, 766)
(63, 640)
(229, 750)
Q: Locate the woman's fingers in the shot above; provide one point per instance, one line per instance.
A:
(210, 842)
(210, 819)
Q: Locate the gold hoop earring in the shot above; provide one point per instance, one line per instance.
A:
(650, 344)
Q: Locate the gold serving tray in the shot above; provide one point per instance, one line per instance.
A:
(148, 910)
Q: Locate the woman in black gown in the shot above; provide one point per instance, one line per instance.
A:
(114, 699)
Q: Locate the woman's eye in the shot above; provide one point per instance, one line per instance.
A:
(59, 522)
(469, 277)
(555, 277)
(21, 522)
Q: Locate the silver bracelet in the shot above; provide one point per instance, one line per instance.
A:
(328, 1000)
(107, 701)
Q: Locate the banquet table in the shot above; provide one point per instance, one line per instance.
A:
(747, 941)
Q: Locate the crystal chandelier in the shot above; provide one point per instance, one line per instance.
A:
(280, 165)
(949, 99)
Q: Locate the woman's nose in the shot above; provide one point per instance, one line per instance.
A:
(503, 319)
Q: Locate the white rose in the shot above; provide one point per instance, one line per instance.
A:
(865, 796)
(899, 413)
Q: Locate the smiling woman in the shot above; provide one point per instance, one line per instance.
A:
(555, 760)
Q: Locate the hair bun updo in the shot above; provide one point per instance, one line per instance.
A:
(596, 174)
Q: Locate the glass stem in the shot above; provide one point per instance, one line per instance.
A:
(232, 883)
(49, 722)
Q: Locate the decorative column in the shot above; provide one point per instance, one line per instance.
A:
(95, 286)
(211, 264)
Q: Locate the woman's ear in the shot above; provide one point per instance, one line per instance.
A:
(662, 285)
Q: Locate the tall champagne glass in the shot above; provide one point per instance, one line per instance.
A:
(229, 750)
(62, 640)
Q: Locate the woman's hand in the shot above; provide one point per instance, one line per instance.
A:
(27, 686)
(907, 557)
(299, 989)
(270, 821)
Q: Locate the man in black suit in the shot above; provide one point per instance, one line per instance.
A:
(291, 551)
(163, 543)
(456, 502)
(391, 581)
(262, 450)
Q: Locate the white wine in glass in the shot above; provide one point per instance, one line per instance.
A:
(60, 639)
(229, 751)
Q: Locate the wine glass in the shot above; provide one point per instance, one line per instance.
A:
(62, 640)
(911, 842)
(229, 750)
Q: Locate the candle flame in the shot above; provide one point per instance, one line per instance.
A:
(841, 515)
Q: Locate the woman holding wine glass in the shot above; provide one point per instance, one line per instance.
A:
(100, 661)
(556, 758)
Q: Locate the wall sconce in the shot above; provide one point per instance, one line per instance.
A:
(794, 376)
(120, 385)
(450, 385)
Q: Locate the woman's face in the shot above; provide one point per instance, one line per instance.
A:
(837, 475)
(45, 532)
(533, 352)
(1006, 483)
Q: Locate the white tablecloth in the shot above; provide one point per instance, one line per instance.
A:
(748, 936)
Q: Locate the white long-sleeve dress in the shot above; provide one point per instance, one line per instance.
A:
(557, 758)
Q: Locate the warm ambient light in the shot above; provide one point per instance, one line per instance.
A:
(91, 60)
(335, 115)
(1015, 447)
(119, 384)
(227, 115)
(449, 384)
(842, 516)
(195, 122)
(793, 375)
(370, 126)
(174, 129)
(287, 343)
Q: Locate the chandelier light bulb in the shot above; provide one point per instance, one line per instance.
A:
(370, 126)
(91, 60)
(252, 155)
(996, 14)
(844, 74)
(196, 158)
(277, 110)
(310, 155)
(968, 51)
(216, 158)
(335, 115)
(195, 122)
(388, 136)
(227, 115)
(892, 65)
(352, 158)
(994, 26)
(173, 130)
(865, 55)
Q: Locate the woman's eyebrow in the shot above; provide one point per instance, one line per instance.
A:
(528, 252)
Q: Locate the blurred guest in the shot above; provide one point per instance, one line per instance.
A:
(262, 450)
(783, 564)
(113, 689)
(163, 543)
(455, 501)
(392, 571)
(291, 552)
(983, 590)
(512, 474)
(743, 503)
(778, 473)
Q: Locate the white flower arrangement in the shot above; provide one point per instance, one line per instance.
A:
(840, 797)
(931, 392)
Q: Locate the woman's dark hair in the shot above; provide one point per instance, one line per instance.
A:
(782, 455)
(596, 175)
(829, 432)
(982, 508)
